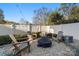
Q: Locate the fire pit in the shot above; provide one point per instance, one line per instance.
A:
(44, 42)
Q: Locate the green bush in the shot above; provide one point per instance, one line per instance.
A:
(5, 40)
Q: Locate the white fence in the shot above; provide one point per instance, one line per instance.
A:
(22, 29)
(7, 29)
(33, 28)
(68, 29)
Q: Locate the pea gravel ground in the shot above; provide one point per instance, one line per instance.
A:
(57, 49)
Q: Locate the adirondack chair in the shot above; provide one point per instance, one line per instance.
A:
(18, 48)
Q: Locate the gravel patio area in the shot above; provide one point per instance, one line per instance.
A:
(57, 49)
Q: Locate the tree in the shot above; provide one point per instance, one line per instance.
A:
(41, 16)
(74, 14)
(66, 8)
(2, 21)
(55, 17)
(70, 11)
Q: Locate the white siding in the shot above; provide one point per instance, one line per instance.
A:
(68, 29)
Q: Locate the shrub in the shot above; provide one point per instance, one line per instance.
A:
(54, 35)
(49, 35)
(38, 34)
(5, 40)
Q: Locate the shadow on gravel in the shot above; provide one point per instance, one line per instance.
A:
(74, 47)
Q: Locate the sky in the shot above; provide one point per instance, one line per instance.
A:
(17, 11)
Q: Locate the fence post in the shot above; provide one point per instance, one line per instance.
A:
(30, 27)
(40, 28)
(14, 27)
